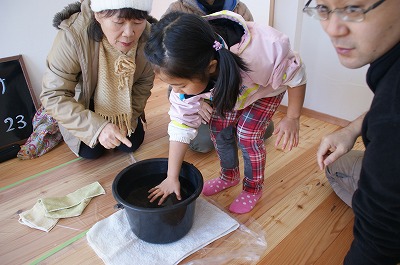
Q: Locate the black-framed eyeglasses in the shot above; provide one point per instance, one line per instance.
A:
(348, 13)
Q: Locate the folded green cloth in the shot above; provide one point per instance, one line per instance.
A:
(72, 204)
(46, 212)
(35, 218)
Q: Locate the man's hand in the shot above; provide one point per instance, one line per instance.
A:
(333, 146)
(336, 144)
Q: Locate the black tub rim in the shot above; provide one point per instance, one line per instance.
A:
(178, 205)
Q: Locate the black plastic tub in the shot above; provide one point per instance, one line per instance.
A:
(150, 222)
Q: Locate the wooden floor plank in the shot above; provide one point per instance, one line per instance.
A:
(299, 215)
(336, 252)
(16, 170)
(318, 230)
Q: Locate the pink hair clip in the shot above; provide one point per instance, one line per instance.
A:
(217, 45)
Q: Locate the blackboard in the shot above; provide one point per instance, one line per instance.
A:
(17, 102)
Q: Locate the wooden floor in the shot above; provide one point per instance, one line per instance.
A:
(300, 217)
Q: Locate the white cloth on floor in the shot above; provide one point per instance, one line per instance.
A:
(114, 242)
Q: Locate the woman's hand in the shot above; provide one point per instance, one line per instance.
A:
(287, 131)
(111, 136)
(168, 186)
(205, 112)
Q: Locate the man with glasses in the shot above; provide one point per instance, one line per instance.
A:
(367, 32)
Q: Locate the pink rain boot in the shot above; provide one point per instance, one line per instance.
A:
(216, 185)
(245, 202)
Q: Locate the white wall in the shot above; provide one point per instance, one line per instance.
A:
(159, 7)
(332, 88)
(26, 28)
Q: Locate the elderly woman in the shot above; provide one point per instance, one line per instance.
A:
(97, 80)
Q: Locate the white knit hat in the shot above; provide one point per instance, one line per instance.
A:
(100, 5)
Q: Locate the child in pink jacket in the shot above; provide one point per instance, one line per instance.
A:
(244, 70)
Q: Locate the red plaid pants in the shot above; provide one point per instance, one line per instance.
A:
(244, 128)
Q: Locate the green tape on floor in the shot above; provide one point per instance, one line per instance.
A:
(58, 248)
(38, 174)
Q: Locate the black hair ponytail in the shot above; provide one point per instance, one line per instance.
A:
(229, 81)
(181, 45)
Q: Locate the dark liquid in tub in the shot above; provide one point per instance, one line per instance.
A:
(139, 191)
